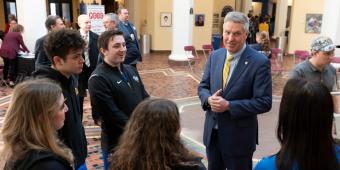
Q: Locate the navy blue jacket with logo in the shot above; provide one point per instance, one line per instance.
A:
(114, 95)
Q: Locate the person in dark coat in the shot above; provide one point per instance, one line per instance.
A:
(65, 48)
(235, 87)
(52, 23)
(133, 55)
(90, 55)
(36, 112)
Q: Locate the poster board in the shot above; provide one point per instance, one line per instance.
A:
(96, 14)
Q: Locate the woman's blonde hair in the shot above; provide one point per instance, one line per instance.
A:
(29, 122)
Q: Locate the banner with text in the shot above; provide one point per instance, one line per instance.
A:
(96, 14)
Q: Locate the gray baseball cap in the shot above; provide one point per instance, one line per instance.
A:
(322, 43)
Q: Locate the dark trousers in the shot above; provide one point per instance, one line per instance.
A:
(81, 103)
(217, 160)
(10, 69)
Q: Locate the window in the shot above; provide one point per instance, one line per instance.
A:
(62, 8)
(10, 8)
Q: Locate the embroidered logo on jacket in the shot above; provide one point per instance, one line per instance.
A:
(136, 78)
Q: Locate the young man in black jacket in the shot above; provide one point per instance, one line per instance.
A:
(65, 48)
(115, 89)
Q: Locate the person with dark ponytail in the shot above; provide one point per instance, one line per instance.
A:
(304, 129)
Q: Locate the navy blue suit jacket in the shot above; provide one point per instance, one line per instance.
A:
(133, 53)
(249, 92)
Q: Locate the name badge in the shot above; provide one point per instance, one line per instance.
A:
(132, 37)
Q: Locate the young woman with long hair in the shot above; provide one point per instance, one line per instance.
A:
(151, 140)
(36, 111)
(304, 129)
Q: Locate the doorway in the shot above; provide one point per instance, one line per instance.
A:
(110, 6)
(10, 7)
(62, 8)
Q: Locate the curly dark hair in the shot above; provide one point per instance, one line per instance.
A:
(60, 43)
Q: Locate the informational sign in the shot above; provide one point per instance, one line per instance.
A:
(96, 14)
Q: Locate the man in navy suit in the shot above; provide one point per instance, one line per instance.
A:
(131, 38)
(235, 87)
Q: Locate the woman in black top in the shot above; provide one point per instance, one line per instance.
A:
(35, 113)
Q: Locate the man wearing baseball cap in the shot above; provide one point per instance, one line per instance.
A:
(318, 67)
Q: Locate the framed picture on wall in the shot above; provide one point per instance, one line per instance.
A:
(199, 20)
(313, 23)
(166, 20)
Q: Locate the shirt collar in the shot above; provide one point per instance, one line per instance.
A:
(82, 33)
(239, 53)
(314, 68)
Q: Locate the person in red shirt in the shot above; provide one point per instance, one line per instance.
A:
(11, 45)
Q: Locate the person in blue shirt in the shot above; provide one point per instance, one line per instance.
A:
(304, 129)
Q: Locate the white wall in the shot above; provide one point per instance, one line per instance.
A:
(32, 15)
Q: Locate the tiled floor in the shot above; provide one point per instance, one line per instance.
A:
(177, 83)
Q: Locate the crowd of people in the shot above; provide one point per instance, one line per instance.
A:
(43, 125)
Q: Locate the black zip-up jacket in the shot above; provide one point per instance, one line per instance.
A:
(114, 95)
(39, 160)
(72, 133)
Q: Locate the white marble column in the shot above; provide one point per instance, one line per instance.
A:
(32, 15)
(280, 17)
(182, 27)
(331, 22)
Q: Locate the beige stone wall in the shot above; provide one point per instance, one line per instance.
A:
(217, 9)
(298, 39)
(2, 18)
(202, 35)
(148, 21)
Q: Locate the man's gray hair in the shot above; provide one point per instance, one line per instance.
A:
(113, 17)
(238, 17)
